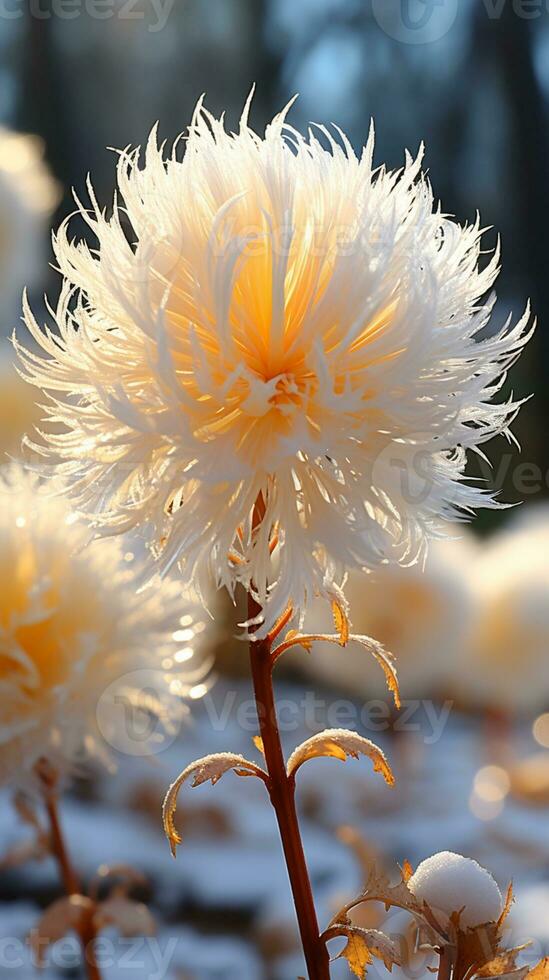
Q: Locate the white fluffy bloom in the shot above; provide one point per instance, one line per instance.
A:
(422, 614)
(282, 322)
(75, 638)
(507, 662)
(28, 195)
(449, 882)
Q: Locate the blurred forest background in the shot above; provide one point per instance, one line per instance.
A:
(88, 74)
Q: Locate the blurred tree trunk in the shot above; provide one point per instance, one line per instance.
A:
(510, 41)
(42, 107)
(267, 63)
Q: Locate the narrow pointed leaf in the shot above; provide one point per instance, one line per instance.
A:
(211, 767)
(341, 621)
(339, 743)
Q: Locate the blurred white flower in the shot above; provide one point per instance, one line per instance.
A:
(449, 883)
(507, 662)
(28, 196)
(19, 412)
(533, 517)
(421, 614)
(80, 649)
(281, 322)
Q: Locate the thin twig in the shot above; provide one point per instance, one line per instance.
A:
(71, 883)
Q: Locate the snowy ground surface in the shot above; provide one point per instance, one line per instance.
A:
(222, 909)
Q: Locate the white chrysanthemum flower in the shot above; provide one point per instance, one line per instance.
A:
(421, 613)
(449, 883)
(281, 322)
(507, 663)
(19, 412)
(80, 649)
(28, 195)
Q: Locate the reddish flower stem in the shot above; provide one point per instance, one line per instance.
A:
(71, 883)
(282, 797)
(282, 794)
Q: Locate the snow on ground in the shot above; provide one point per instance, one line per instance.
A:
(223, 908)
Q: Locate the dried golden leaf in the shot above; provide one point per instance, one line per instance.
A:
(509, 899)
(340, 744)
(341, 621)
(361, 946)
(295, 638)
(280, 623)
(357, 954)
(57, 921)
(376, 649)
(258, 742)
(541, 971)
(129, 918)
(503, 965)
(407, 871)
(385, 660)
(379, 889)
(211, 767)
